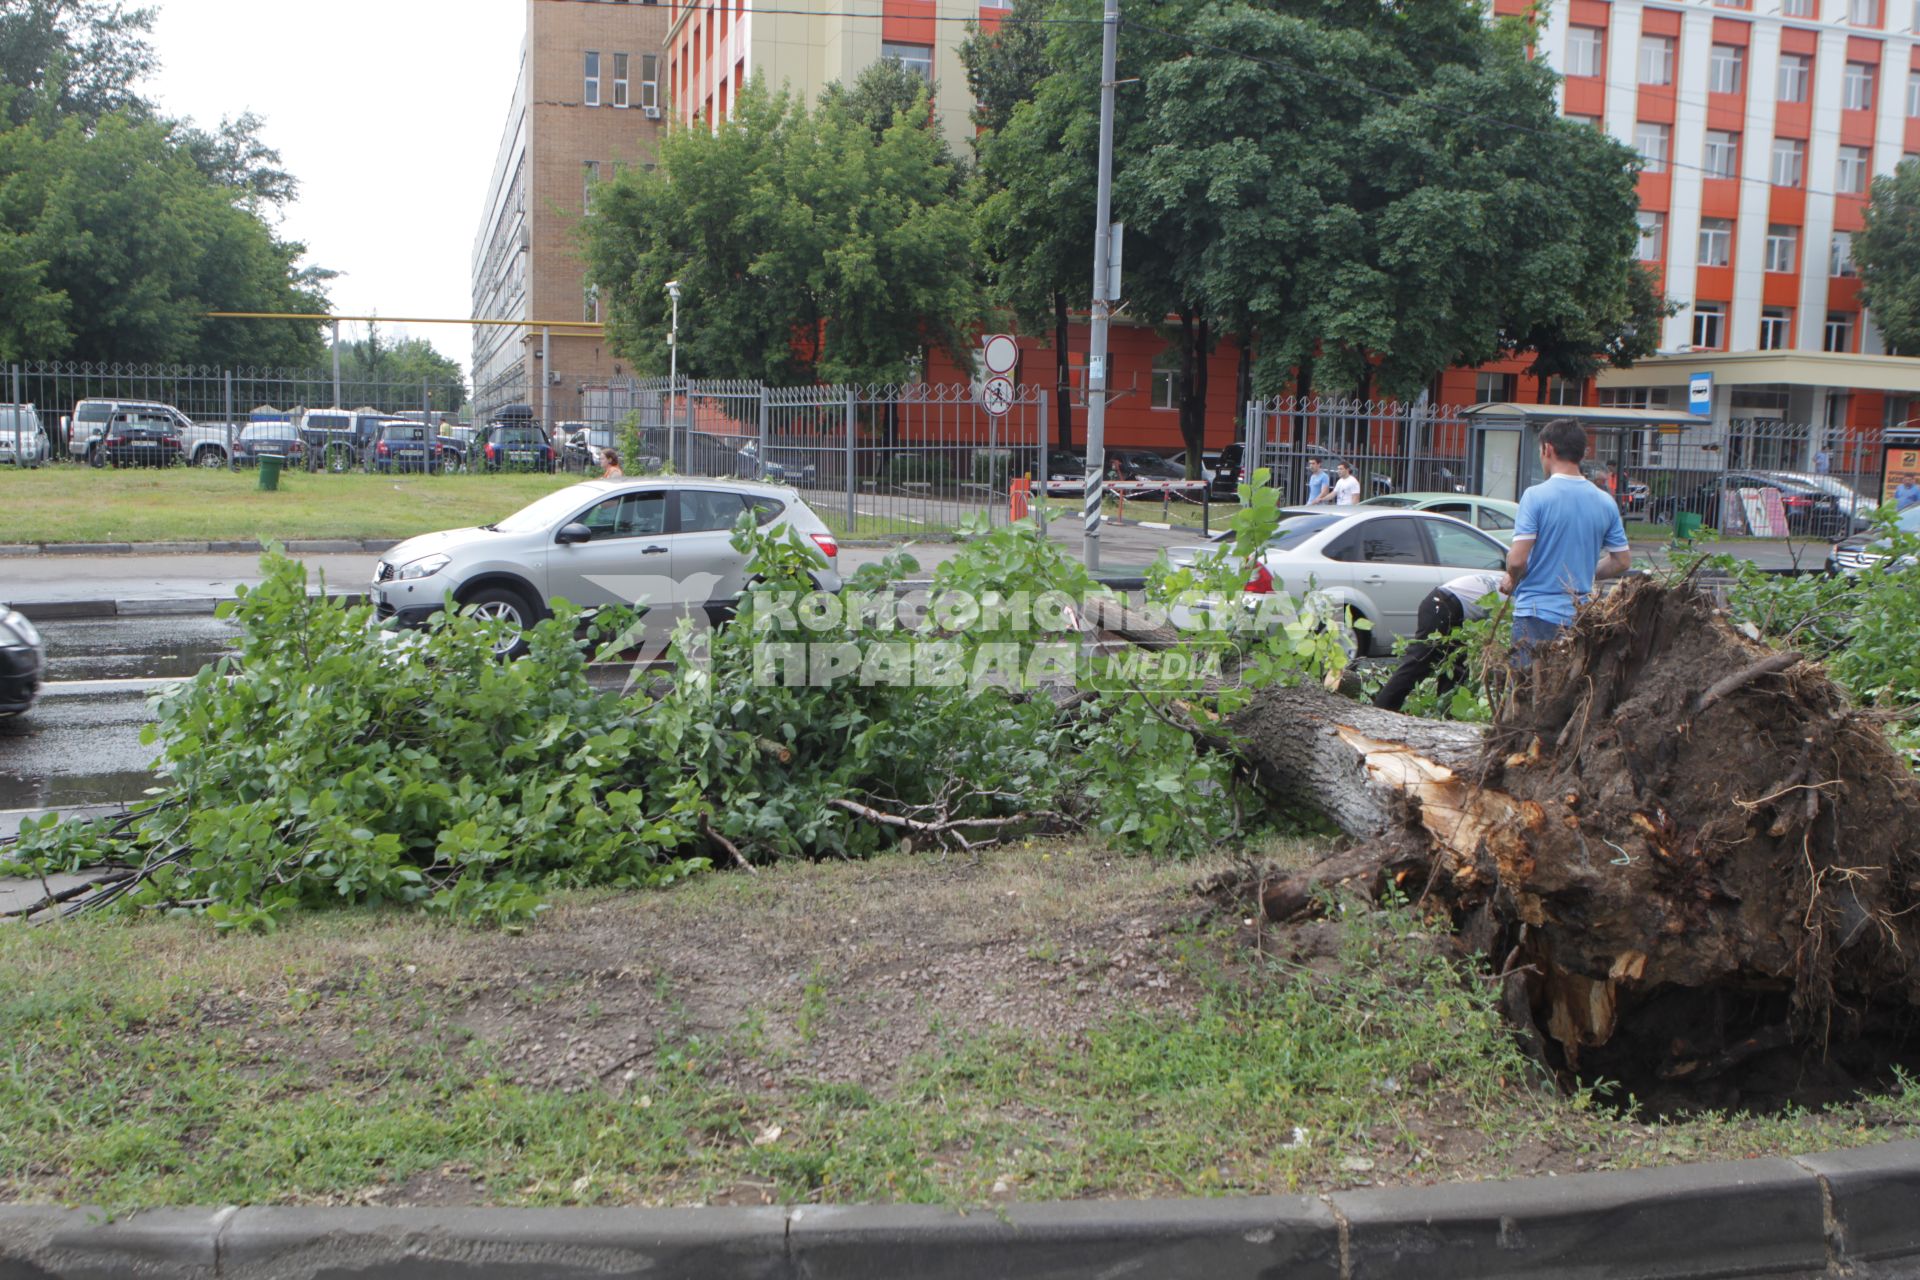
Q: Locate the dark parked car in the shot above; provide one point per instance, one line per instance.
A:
(339, 439)
(406, 446)
(1810, 512)
(1142, 464)
(775, 470)
(141, 438)
(278, 438)
(515, 446)
(22, 657)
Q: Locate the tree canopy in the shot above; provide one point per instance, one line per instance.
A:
(809, 244)
(1887, 255)
(374, 370)
(120, 229)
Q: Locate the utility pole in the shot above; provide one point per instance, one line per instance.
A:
(1102, 257)
(336, 366)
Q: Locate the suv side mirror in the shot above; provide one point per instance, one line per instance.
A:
(572, 533)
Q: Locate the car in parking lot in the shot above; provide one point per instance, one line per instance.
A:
(87, 426)
(406, 446)
(278, 438)
(339, 440)
(514, 446)
(140, 438)
(1495, 515)
(666, 541)
(23, 438)
(1370, 564)
(23, 657)
(1860, 553)
(1811, 511)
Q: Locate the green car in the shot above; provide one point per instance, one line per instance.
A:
(1495, 515)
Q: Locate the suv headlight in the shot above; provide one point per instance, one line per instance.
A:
(15, 629)
(425, 567)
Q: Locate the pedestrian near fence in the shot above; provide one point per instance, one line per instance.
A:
(1564, 527)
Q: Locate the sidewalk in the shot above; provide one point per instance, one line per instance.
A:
(51, 586)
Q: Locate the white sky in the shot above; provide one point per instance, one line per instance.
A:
(389, 112)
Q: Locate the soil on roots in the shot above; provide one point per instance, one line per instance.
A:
(1714, 895)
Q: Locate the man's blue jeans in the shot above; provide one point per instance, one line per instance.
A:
(1528, 632)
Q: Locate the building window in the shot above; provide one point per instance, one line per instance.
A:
(591, 96)
(1913, 94)
(1723, 154)
(1724, 65)
(1633, 398)
(1592, 122)
(1863, 13)
(1656, 59)
(1709, 322)
(1789, 162)
(1839, 331)
(1564, 391)
(1840, 259)
(1783, 247)
(1494, 388)
(590, 304)
(1851, 179)
(1798, 8)
(1650, 140)
(590, 178)
(917, 58)
(1796, 73)
(1653, 233)
(650, 82)
(1584, 50)
(1856, 87)
(1166, 380)
(1716, 242)
(619, 79)
(1776, 329)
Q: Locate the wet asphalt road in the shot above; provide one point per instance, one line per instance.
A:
(80, 745)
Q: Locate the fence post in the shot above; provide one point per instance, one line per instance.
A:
(15, 401)
(430, 437)
(853, 414)
(1250, 455)
(765, 412)
(1039, 504)
(226, 378)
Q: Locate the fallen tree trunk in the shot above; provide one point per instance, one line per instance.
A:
(1661, 806)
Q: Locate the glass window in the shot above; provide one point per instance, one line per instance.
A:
(619, 79)
(1913, 92)
(1840, 260)
(708, 510)
(1724, 65)
(1856, 87)
(1709, 323)
(1584, 48)
(1656, 60)
(1653, 231)
(1789, 167)
(1495, 519)
(1292, 531)
(1783, 245)
(917, 58)
(1650, 140)
(1798, 8)
(1166, 381)
(631, 515)
(1851, 176)
(589, 179)
(1863, 13)
(1796, 73)
(1461, 548)
(650, 81)
(1458, 510)
(1776, 329)
(1723, 154)
(1494, 388)
(590, 304)
(1839, 331)
(591, 95)
(1716, 242)
(1391, 541)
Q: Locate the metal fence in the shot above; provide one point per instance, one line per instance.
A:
(1392, 448)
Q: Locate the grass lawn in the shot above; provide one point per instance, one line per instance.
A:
(192, 504)
(1048, 1021)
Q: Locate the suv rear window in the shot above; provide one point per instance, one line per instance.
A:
(403, 432)
(518, 435)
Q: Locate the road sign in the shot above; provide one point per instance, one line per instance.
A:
(1700, 394)
(997, 395)
(1001, 353)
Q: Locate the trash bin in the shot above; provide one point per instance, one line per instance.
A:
(1685, 525)
(270, 471)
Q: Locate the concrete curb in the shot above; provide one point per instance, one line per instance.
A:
(296, 546)
(1845, 1212)
(159, 607)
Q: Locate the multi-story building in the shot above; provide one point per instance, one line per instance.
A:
(1761, 123)
(586, 102)
(804, 45)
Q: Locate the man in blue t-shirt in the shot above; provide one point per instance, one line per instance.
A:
(1319, 483)
(1907, 495)
(1566, 522)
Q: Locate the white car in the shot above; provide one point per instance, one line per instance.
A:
(23, 439)
(665, 541)
(1369, 563)
(23, 656)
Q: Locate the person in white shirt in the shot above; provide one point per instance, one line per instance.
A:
(1441, 613)
(1346, 490)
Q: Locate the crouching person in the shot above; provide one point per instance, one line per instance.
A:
(1440, 615)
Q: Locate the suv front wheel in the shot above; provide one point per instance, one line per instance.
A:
(511, 610)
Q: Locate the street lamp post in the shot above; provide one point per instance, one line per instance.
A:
(673, 362)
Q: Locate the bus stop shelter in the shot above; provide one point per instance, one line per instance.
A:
(1503, 444)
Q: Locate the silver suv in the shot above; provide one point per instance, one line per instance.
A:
(91, 418)
(665, 541)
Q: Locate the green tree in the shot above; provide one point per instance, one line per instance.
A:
(390, 375)
(81, 57)
(807, 244)
(1887, 254)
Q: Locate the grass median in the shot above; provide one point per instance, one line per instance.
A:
(193, 504)
(1041, 1022)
